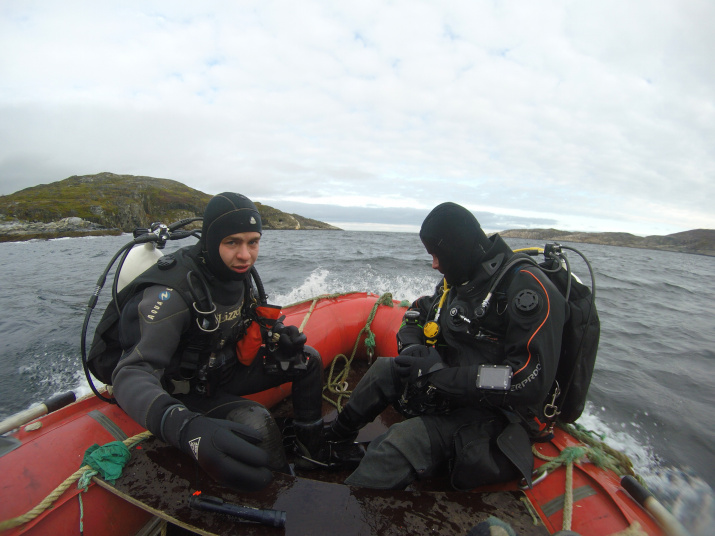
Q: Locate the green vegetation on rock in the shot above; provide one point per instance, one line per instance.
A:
(117, 203)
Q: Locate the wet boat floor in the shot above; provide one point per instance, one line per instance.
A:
(161, 479)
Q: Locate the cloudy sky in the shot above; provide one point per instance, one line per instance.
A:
(592, 116)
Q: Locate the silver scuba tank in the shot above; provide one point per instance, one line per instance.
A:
(139, 259)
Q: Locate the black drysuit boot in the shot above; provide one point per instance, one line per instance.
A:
(342, 429)
(316, 449)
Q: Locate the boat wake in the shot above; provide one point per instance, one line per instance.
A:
(688, 497)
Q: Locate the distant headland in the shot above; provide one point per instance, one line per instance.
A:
(106, 203)
(697, 241)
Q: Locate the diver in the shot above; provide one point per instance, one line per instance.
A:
(195, 342)
(476, 361)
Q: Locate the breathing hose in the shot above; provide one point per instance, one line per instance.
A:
(159, 234)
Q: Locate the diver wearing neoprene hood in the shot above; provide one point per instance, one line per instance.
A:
(194, 339)
(470, 380)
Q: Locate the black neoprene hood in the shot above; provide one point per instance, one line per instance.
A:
(454, 236)
(226, 214)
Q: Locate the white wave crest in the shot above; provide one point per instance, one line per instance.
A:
(322, 281)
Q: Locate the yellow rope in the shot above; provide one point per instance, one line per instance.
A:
(59, 490)
(337, 383)
(307, 315)
(318, 298)
(568, 498)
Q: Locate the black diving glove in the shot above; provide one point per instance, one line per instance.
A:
(226, 450)
(286, 347)
(286, 341)
(417, 361)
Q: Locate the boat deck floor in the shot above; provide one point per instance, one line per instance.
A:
(161, 479)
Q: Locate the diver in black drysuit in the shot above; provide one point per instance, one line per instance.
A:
(481, 435)
(157, 382)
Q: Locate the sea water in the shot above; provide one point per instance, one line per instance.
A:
(653, 390)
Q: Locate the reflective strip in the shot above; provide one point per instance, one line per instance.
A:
(108, 424)
(8, 444)
(557, 504)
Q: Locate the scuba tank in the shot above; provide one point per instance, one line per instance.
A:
(134, 261)
(138, 260)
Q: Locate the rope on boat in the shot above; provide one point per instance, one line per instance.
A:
(48, 501)
(314, 303)
(598, 452)
(337, 382)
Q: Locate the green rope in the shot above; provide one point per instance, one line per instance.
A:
(597, 452)
(107, 461)
(47, 502)
(83, 485)
(337, 382)
(601, 454)
(569, 455)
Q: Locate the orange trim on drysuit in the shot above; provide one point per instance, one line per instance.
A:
(548, 311)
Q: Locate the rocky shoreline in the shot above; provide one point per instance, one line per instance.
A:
(18, 231)
(697, 241)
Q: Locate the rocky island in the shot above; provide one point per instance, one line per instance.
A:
(106, 203)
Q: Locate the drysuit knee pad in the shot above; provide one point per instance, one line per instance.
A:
(260, 419)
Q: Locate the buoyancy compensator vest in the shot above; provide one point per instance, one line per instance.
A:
(178, 271)
(170, 270)
(581, 331)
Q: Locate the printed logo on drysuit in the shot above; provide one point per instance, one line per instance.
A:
(163, 297)
(227, 316)
(194, 446)
(530, 378)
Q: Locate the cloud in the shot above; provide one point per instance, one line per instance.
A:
(592, 116)
(406, 219)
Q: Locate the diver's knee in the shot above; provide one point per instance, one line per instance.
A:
(410, 440)
(314, 359)
(258, 418)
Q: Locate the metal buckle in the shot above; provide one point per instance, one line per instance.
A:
(524, 485)
(551, 410)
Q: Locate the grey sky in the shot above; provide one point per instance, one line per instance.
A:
(595, 116)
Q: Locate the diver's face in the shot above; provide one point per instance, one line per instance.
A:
(239, 251)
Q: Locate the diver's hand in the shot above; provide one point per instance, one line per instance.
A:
(226, 450)
(286, 341)
(417, 361)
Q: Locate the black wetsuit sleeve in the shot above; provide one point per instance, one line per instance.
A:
(151, 328)
(532, 344)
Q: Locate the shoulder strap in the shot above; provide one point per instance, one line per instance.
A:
(516, 259)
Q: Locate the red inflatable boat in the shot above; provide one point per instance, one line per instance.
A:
(40, 455)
